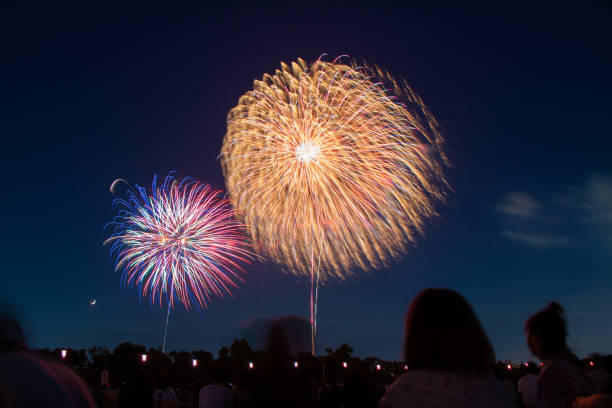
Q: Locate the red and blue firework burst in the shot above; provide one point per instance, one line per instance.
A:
(179, 242)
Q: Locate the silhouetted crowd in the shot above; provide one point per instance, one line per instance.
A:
(448, 362)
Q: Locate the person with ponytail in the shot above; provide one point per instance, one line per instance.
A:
(562, 377)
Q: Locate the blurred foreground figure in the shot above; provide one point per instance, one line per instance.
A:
(528, 387)
(593, 401)
(601, 379)
(135, 392)
(217, 394)
(28, 381)
(562, 376)
(450, 358)
(164, 395)
(276, 383)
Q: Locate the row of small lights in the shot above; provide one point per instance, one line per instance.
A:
(143, 357)
(344, 364)
(194, 362)
(509, 366)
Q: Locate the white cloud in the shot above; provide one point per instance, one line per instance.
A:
(598, 197)
(538, 240)
(519, 204)
(582, 212)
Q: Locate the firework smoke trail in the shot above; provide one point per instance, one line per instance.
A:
(180, 242)
(314, 301)
(166, 324)
(334, 160)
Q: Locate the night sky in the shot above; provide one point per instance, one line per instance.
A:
(523, 95)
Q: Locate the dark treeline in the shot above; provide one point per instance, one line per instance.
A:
(188, 368)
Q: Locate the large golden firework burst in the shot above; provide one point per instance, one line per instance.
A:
(332, 166)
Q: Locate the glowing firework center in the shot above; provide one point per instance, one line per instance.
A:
(174, 241)
(307, 151)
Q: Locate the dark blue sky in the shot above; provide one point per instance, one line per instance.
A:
(523, 94)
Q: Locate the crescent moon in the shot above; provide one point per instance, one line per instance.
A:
(114, 184)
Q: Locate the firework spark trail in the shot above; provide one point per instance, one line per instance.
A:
(167, 319)
(180, 242)
(323, 159)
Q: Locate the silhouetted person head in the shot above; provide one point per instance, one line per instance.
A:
(11, 333)
(547, 332)
(443, 333)
(163, 381)
(137, 377)
(277, 383)
(288, 336)
(219, 375)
